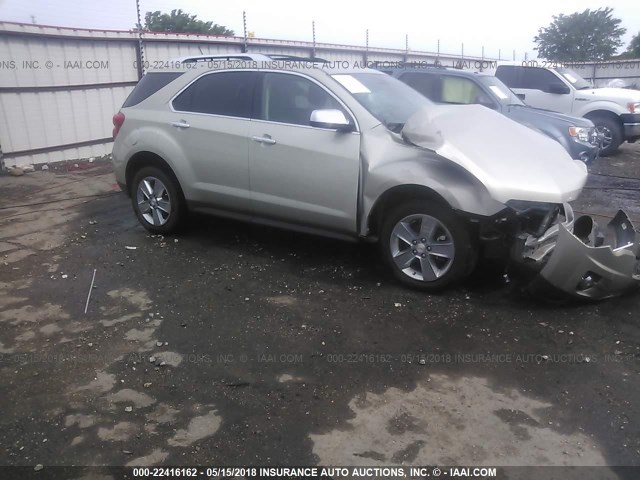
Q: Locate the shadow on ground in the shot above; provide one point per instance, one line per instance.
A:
(239, 344)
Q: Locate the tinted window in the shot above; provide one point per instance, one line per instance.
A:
(148, 85)
(291, 99)
(226, 93)
(427, 84)
(527, 77)
(509, 76)
(539, 79)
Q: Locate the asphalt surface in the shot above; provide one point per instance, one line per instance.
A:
(243, 345)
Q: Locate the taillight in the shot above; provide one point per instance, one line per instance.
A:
(118, 120)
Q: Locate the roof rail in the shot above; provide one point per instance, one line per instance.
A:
(223, 56)
(294, 58)
(405, 65)
(248, 57)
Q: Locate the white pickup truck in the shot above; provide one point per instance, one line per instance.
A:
(614, 111)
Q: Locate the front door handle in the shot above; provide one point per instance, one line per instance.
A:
(266, 140)
(180, 124)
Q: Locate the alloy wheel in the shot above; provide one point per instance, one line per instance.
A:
(153, 201)
(422, 247)
(606, 136)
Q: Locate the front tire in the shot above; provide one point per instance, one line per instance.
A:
(157, 201)
(611, 131)
(425, 245)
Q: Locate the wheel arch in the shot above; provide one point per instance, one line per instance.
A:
(144, 159)
(397, 195)
(618, 137)
(603, 113)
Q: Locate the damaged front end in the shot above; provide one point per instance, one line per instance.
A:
(533, 178)
(575, 256)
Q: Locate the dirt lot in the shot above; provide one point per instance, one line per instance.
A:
(235, 344)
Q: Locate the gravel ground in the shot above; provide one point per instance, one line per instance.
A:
(243, 345)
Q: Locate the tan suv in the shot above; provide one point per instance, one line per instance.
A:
(349, 153)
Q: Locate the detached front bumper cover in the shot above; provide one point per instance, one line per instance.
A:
(592, 264)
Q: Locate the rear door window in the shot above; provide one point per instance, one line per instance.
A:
(225, 93)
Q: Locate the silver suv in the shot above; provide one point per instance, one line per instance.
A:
(350, 153)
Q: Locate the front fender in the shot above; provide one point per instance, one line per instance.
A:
(386, 165)
(583, 109)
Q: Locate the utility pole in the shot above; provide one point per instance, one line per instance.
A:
(366, 49)
(140, 50)
(245, 47)
(313, 28)
(406, 47)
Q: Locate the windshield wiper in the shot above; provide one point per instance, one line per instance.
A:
(586, 87)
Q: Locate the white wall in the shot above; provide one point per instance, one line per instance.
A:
(54, 110)
(601, 73)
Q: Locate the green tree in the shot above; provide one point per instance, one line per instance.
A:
(633, 50)
(589, 35)
(181, 22)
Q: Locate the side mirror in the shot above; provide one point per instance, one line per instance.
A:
(558, 88)
(331, 119)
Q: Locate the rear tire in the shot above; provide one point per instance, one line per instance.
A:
(425, 245)
(157, 200)
(612, 132)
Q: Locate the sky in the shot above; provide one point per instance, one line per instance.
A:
(498, 26)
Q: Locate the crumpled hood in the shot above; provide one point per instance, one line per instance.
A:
(511, 160)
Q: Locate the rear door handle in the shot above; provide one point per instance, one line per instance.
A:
(180, 124)
(266, 139)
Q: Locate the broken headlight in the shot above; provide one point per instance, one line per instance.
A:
(535, 217)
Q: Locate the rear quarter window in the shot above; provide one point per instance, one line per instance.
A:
(149, 84)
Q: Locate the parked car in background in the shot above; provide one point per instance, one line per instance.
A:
(451, 86)
(356, 154)
(614, 111)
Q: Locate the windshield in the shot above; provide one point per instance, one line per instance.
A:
(576, 80)
(500, 90)
(386, 98)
